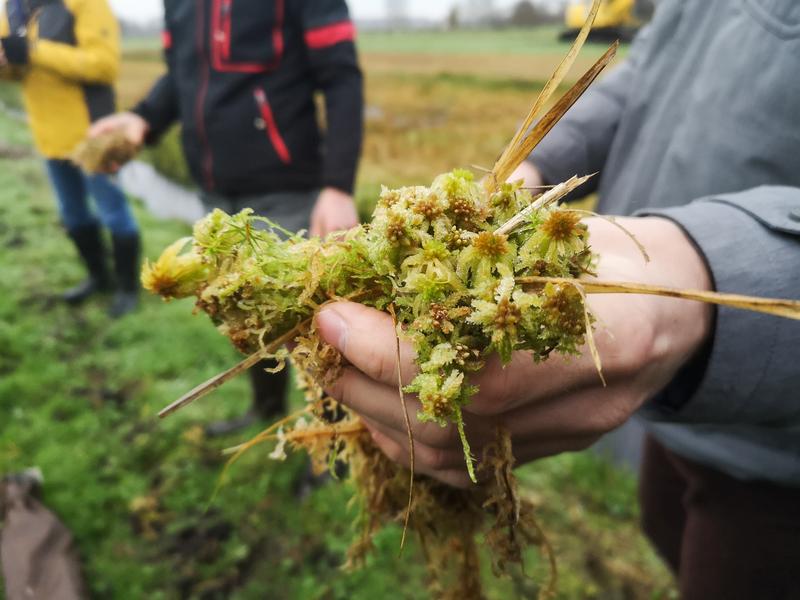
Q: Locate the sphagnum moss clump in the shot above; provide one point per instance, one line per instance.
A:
(432, 257)
(457, 302)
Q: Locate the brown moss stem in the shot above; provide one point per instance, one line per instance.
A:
(407, 419)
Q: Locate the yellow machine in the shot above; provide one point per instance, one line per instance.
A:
(616, 19)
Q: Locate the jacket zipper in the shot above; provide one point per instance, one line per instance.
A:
(207, 164)
(226, 27)
(272, 128)
(221, 30)
(221, 42)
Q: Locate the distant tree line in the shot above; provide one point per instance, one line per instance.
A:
(525, 13)
(138, 30)
(531, 14)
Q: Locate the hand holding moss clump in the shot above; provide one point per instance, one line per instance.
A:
(431, 255)
(105, 153)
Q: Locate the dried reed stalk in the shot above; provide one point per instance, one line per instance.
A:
(789, 309)
(551, 196)
(218, 380)
(527, 136)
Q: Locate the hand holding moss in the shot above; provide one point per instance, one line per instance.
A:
(133, 126)
(549, 407)
(110, 143)
(333, 211)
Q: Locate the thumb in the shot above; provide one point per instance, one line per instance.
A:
(315, 227)
(136, 135)
(366, 337)
(99, 128)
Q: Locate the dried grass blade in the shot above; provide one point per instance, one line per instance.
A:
(789, 309)
(354, 428)
(268, 434)
(218, 380)
(553, 116)
(547, 91)
(551, 196)
(598, 364)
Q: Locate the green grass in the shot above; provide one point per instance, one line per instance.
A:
(529, 41)
(532, 41)
(10, 96)
(78, 398)
(168, 159)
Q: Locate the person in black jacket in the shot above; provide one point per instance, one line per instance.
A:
(241, 80)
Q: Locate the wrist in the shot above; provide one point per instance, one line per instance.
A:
(15, 50)
(341, 180)
(675, 330)
(529, 173)
(336, 192)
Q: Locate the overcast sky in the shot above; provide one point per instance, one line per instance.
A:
(146, 10)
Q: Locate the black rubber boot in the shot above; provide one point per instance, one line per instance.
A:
(126, 268)
(269, 389)
(89, 242)
(269, 393)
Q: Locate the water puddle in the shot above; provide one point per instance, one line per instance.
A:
(163, 198)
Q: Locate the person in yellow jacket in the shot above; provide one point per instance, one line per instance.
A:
(66, 55)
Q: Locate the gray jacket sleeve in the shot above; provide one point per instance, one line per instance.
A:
(579, 143)
(751, 243)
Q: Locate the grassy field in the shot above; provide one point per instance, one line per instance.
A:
(79, 393)
(535, 42)
(434, 100)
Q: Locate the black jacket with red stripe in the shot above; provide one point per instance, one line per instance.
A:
(241, 80)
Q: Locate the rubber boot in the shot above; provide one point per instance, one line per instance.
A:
(89, 242)
(126, 268)
(269, 393)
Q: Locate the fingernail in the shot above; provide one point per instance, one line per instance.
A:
(333, 328)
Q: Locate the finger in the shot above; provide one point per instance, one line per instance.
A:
(456, 477)
(585, 413)
(371, 399)
(347, 221)
(337, 225)
(136, 136)
(367, 339)
(101, 127)
(315, 229)
(429, 457)
(381, 404)
(590, 411)
(522, 381)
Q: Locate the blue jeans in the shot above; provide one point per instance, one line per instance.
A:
(72, 187)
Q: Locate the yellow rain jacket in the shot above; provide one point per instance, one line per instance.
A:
(72, 65)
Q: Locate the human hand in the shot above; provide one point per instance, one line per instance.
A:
(556, 406)
(134, 126)
(334, 211)
(528, 172)
(134, 129)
